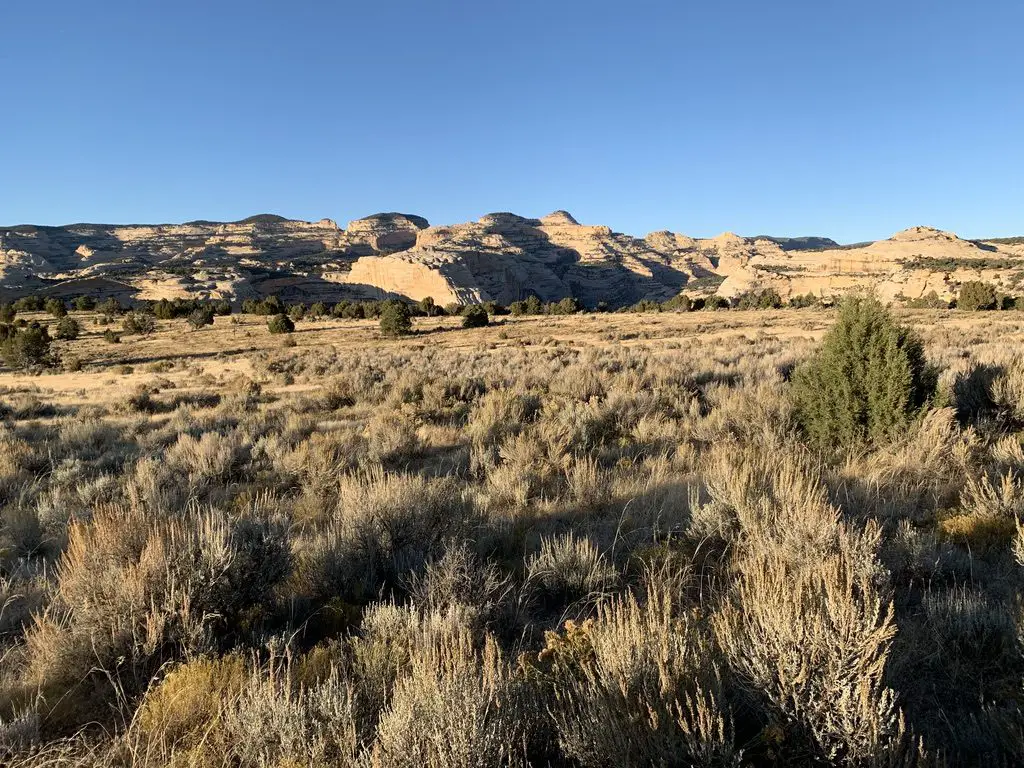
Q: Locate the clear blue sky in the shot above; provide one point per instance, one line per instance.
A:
(847, 119)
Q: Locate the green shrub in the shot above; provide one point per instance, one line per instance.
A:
(141, 323)
(27, 347)
(646, 305)
(85, 303)
(930, 300)
(976, 295)
(395, 319)
(110, 337)
(352, 310)
(867, 382)
(679, 303)
(56, 308)
(29, 304)
(567, 306)
(201, 317)
(268, 306)
(764, 299)
(68, 329)
(427, 306)
(7, 313)
(280, 324)
(110, 307)
(317, 310)
(804, 300)
(714, 301)
(297, 311)
(474, 317)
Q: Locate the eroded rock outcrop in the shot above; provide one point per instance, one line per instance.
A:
(501, 256)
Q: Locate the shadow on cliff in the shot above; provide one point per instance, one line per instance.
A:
(611, 282)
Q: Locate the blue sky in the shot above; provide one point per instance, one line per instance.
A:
(846, 119)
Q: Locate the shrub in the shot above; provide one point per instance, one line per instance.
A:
(765, 299)
(976, 295)
(569, 568)
(930, 300)
(7, 313)
(868, 381)
(85, 303)
(179, 710)
(638, 657)
(395, 319)
(646, 305)
(141, 323)
(297, 311)
(679, 303)
(280, 324)
(110, 337)
(56, 308)
(140, 590)
(268, 306)
(714, 301)
(29, 304)
(474, 317)
(427, 306)
(317, 310)
(567, 306)
(802, 301)
(201, 317)
(353, 310)
(110, 307)
(27, 347)
(163, 309)
(530, 306)
(456, 707)
(68, 329)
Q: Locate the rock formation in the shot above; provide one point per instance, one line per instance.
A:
(501, 257)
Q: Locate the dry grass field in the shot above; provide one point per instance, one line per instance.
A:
(586, 540)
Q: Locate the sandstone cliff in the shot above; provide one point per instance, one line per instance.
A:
(501, 256)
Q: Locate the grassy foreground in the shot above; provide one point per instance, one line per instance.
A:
(595, 540)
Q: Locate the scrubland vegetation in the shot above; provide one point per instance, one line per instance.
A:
(551, 545)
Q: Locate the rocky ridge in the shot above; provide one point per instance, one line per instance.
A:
(501, 256)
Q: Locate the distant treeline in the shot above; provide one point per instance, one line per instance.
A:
(973, 295)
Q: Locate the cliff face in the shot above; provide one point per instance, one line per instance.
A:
(501, 257)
